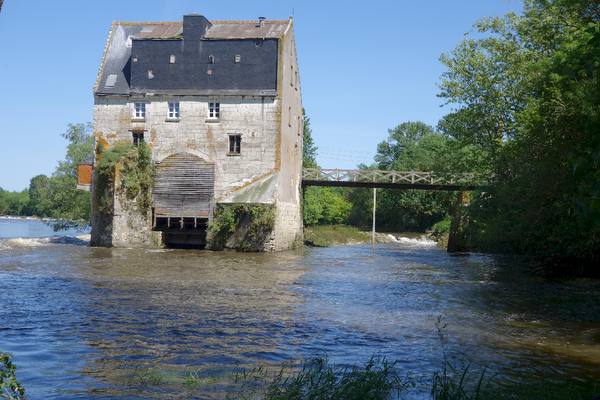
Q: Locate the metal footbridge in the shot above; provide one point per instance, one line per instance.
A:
(391, 179)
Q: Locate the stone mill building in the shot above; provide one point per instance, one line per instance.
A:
(218, 105)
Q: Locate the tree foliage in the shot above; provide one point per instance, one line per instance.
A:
(57, 197)
(309, 150)
(14, 203)
(325, 206)
(527, 96)
(10, 387)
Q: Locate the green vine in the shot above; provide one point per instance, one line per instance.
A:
(250, 224)
(136, 172)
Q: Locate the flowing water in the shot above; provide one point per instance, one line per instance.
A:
(87, 322)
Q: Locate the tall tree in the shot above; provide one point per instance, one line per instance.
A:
(309, 150)
(527, 95)
(68, 206)
(322, 205)
(38, 196)
(413, 146)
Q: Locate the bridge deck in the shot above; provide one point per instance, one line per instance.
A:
(390, 179)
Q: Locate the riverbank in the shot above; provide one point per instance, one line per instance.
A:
(343, 235)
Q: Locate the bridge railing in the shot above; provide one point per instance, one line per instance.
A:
(399, 177)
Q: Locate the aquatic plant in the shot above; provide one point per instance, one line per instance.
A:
(378, 379)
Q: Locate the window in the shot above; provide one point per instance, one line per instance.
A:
(238, 59)
(138, 138)
(174, 110)
(211, 59)
(214, 110)
(140, 110)
(235, 144)
(172, 59)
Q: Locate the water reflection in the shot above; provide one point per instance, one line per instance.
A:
(84, 320)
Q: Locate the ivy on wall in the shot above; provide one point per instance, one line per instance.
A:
(248, 225)
(135, 168)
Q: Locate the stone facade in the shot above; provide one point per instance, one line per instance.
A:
(251, 135)
(288, 227)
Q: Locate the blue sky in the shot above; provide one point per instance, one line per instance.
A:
(365, 67)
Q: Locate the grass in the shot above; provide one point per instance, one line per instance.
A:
(333, 235)
(378, 379)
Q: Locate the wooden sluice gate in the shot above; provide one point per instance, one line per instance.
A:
(183, 198)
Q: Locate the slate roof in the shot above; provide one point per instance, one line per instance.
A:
(114, 66)
(219, 30)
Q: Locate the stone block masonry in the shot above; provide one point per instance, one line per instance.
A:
(288, 228)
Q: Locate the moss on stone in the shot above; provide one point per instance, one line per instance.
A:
(243, 227)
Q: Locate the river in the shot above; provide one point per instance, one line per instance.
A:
(86, 322)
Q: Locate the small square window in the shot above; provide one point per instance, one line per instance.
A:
(138, 138)
(238, 59)
(140, 110)
(235, 144)
(211, 59)
(172, 59)
(214, 110)
(174, 110)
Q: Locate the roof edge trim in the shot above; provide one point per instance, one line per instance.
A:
(289, 22)
(216, 22)
(150, 23)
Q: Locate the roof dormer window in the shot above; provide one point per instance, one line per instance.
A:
(238, 59)
(110, 81)
(172, 59)
(211, 59)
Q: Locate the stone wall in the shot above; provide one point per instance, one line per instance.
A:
(132, 229)
(125, 227)
(255, 119)
(287, 233)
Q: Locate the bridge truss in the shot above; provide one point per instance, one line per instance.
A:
(391, 179)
